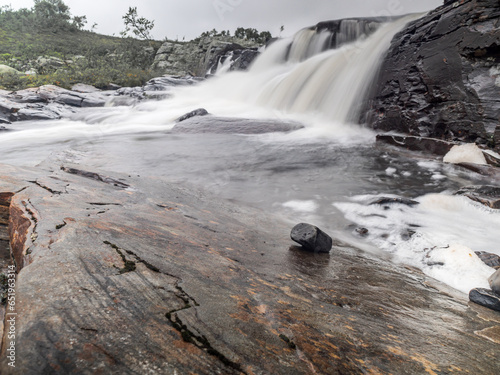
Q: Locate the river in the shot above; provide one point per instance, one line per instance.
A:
(327, 173)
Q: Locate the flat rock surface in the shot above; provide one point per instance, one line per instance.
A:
(230, 125)
(144, 277)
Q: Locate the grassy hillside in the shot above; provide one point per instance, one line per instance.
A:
(77, 55)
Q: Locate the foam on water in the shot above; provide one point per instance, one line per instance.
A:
(439, 236)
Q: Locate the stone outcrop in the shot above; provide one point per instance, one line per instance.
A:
(133, 275)
(51, 102)
(440, 77)
(202, 56)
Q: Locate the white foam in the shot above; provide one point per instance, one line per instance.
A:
(439, 236)
(468, 153)
(308, 206)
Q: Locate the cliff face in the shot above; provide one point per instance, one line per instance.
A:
(199, 56)
(441, 76)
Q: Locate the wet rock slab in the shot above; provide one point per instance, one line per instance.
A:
(143, 277)
(485, 194)
(232, 125)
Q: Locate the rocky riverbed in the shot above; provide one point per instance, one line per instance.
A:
(120, 274)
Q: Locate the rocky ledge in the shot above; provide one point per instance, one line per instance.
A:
(125, 275)
(440, 77)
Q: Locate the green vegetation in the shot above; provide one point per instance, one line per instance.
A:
(70, 54)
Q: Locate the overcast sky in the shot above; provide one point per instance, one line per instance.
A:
(187, 19)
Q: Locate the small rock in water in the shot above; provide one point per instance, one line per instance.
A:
(196, 112)
(489, 259)
(494, 281)
(485, 297)
(486, 194)
(311, 238)
(387, 201)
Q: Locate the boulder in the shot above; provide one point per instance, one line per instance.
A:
(494, 281)
(440, 76)
(311, 238)
(196, 112)
(4, 69)
(486, 298)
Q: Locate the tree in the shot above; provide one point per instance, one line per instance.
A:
(51, 14)
(79, 22)
(140, 26)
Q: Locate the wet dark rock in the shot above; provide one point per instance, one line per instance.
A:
(491, 159)
(485, 170)
(486, 298)
(439, 78)
(363, 232)
(489, 259)
(233, 125)
(484, 194)
(196, 112)
(387, 201)
(424, 144)
(311, 238)
(494, 281)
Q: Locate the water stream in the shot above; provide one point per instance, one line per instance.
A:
(327, 174)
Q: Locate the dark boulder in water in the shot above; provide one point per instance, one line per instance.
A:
(424, 144)
(387, 201)
(311, 238)
(196, 112)
(486, 298)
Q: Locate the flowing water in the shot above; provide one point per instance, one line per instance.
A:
(328, 173)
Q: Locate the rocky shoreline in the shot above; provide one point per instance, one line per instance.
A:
(121, 274)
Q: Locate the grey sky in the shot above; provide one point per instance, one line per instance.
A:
(187, 19)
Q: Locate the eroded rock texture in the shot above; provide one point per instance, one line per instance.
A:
(129, 275)
(441, 76)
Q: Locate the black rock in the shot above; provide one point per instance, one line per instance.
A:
(489, 259)
(485, 297)
(196, 112)
(438, 77)
(388, 201)
(494, 281)
(311, 238)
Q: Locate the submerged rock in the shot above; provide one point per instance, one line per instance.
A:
(311, 238)
(484, 194)
(233, 125)
(427, 145)
(486, 298)
(387, 201)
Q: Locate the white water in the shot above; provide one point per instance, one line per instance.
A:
(313, 174)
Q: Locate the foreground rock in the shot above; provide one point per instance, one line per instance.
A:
(440, 76)
(232, 125)
(130, 275)
(311, 238)
(491, 260)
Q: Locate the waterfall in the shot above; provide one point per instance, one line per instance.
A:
(311, 77)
